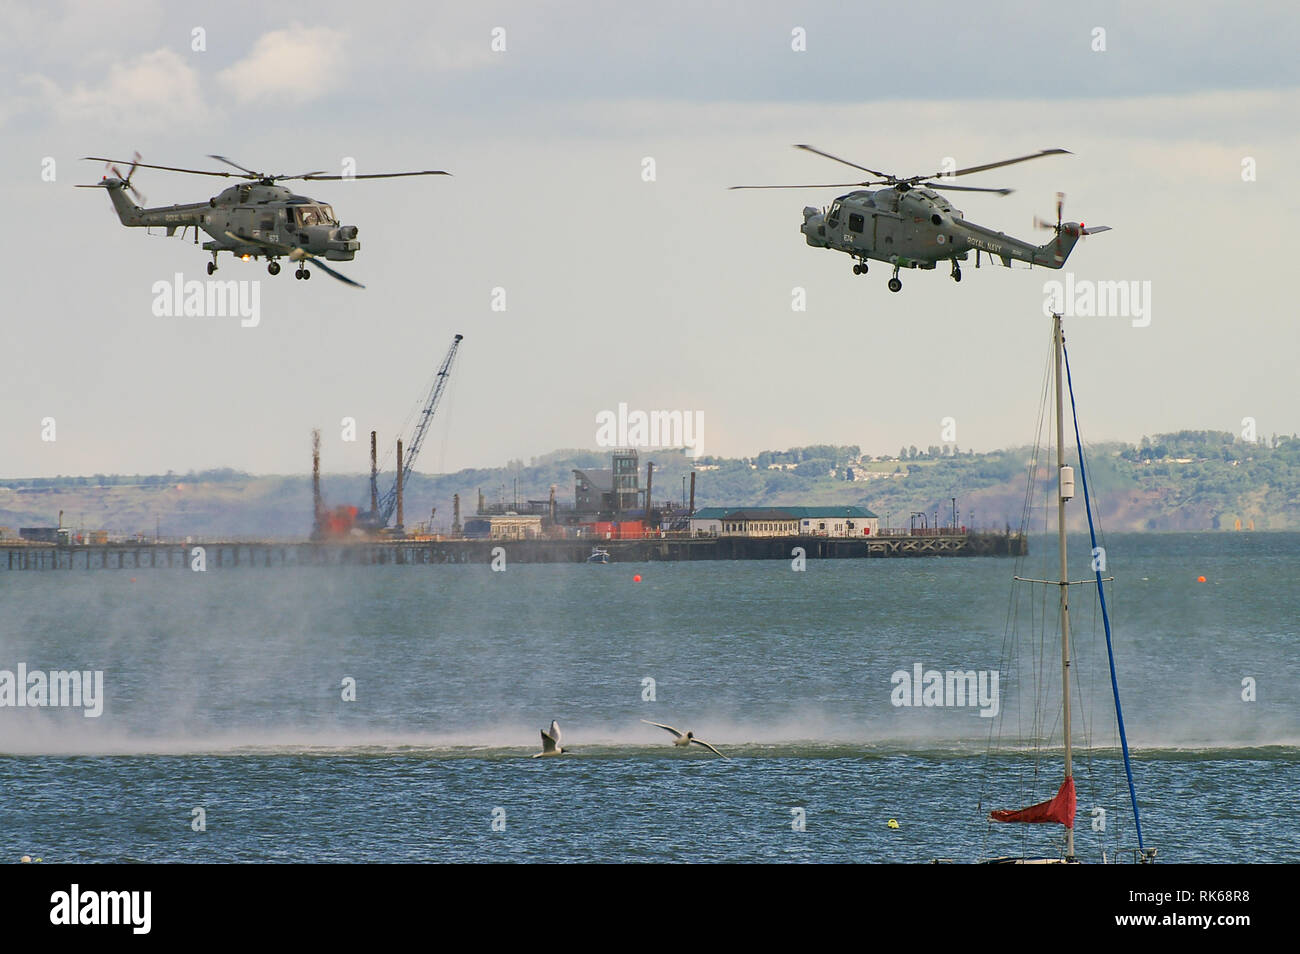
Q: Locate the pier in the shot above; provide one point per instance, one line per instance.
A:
(400, 552)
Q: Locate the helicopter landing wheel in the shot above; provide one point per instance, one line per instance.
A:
(895, 285)
(860, 268)
(212, 267)
(273, 268)
(305, 274)
(956, 274)
(298, 274)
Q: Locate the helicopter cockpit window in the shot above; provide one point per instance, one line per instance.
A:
(855, 222)
(308, 215)
(833, 219)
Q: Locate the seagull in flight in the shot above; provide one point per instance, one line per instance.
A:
(684, 739)
(551, 742)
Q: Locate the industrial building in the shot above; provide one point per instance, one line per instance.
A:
(608, 493)
(506, 526)
(836, 521)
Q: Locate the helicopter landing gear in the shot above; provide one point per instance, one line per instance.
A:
(894, 283)
(212, 265)
(302, 273)
(860, 268)
(273, 267)
(956, 271)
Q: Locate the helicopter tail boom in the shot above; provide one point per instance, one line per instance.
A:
(1054, 253)
(127, 211)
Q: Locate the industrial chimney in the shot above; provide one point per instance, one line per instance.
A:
(649, 483)
(374, 475)
(398, 525)
(315, 484)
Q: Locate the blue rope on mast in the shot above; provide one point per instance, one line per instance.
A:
(1101, 593)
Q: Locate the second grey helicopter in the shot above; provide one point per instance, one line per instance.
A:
(910, 224)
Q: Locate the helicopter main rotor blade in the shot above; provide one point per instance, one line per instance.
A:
(295, 254)
(997, 165)
(824, 185)
(371, 175)
(957, 188)
(195, 172)
(827, 155)
(231, 162)
(329, 271)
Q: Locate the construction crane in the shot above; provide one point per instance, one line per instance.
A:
(377, 518)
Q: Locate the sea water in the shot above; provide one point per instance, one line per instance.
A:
(387, 713)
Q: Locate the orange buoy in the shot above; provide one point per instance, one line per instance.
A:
(1200, 579)
(637, 578)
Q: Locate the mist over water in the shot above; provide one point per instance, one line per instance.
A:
(224, 689)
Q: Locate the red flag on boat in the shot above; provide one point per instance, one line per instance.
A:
(1060, 810)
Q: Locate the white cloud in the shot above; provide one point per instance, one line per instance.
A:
(294, 65)
(153, 90)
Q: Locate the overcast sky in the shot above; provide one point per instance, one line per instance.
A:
(671, 294)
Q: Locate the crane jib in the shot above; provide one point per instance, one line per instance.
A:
(388, 503)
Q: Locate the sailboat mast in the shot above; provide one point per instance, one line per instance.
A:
(1061, 486)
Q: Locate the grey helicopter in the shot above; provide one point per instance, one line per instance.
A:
(254, 219)
(911, 225)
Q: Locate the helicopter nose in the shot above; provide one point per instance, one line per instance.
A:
(814, 226)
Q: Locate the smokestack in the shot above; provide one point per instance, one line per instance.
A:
(315, 482)
(455, 515)
(649, 482)
(552, 504)
(398, 525)
(374, 475)
(692, 504)
(480, 500)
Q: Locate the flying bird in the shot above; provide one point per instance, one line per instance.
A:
(684, 739)
(551, 742)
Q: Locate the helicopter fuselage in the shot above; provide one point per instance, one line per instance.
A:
(249, 220)
(916, 228)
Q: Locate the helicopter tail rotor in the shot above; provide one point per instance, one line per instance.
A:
(1067, 234)
(126, 179)
(1047, 224)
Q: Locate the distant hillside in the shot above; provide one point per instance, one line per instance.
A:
(1191, 480)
